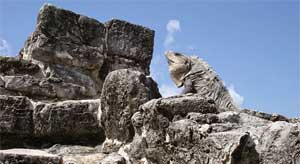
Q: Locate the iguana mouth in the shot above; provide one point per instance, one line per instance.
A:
(170, 61)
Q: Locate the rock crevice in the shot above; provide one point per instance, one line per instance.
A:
(68, 46)
(80, 94)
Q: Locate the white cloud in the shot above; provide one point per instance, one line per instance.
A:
(172, 27)
(4, 47)
(169, 40)
(169, 90)
(237, 98)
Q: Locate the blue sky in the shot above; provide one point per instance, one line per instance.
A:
(252, 45)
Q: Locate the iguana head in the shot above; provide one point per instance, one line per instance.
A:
(179, 66)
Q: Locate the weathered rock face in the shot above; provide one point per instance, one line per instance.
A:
(16, 122)
(25, 123)
(68, 122)
(28, 156)
(58, 39)
(16, 115)
(113, 158)
(177, 107)
(123, 92)
(44, 88)
(69, 55)
(131, 42)
(50, 96)
(12, 66)
(209, 137)
(74, 154)
(85, 155)
(266, 116)
(280, 143)
(12, 69)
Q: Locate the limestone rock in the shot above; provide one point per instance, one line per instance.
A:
(123, 92)
(213, 138)
(158, 114)
(35, 84)
(2, 83)
(43, 88)
(276, 142)
(28, 156)
(78, 52)
(271, 117)
(180, 106)
(200, 118)
(185, 131)
(294, 120)
(58, 39)
(4, 91)
(157, 117)
(16, 115)
(68, 122)
(129, 41)
(15, 120)
(191, 145)
(279, 143)
(75, 154)
(50, 96)
(25, 123)
(11, 67)
(113, 158)
(14, 66)
(68, 46)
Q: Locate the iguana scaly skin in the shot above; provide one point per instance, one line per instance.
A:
(198, 77)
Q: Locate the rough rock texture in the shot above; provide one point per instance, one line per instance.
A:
(77, 52)
(43, 88)
(113, 158)
(14, 66)
(50, 96)
(85, 155)
(18, 156)
(271, 117)
(77, 154)
(179, 106)
(68, 57)
(11, 72)
(16, 115)
(25, 123)
(294, 120)
(16, 121)
(68, 122)
(123, 92)
(131, 42)
(198, 77)
(21, 77)
(213, 138)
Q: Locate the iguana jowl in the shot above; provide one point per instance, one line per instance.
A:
(198, 77)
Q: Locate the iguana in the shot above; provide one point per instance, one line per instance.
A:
(198, 77)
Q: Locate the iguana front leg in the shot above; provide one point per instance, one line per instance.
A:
(188, 87)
